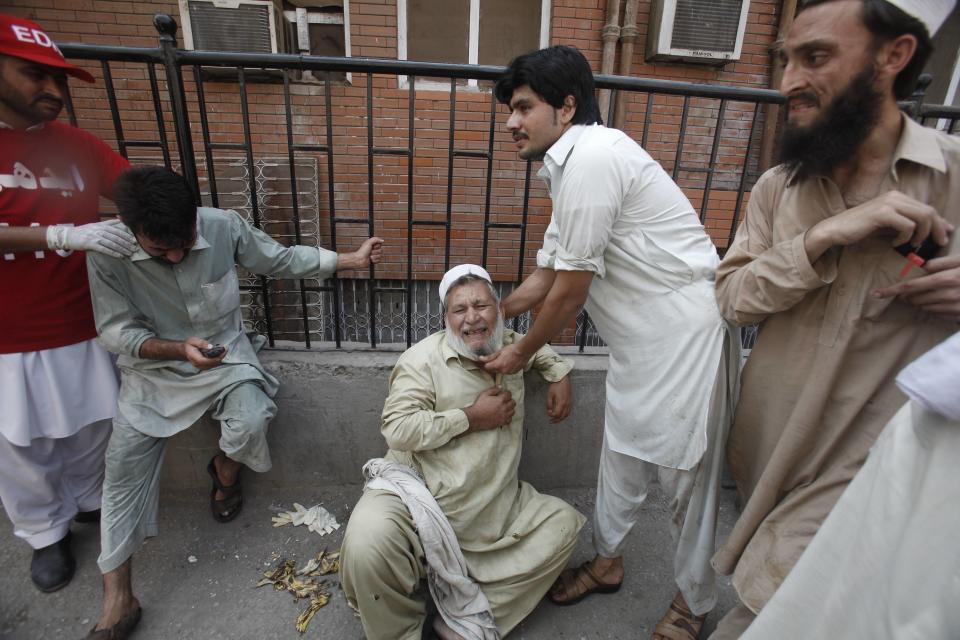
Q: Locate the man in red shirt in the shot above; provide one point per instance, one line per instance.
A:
(57, 386)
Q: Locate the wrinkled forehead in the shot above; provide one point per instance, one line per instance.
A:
(473, 292)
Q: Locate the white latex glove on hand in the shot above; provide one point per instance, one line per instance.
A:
(110, 237)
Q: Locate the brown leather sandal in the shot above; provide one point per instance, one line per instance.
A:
(226, 509)
(678, 623)
(582, 581)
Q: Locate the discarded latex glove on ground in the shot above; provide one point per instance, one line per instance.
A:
(316, 518)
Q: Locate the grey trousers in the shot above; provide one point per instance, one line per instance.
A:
(131, 488)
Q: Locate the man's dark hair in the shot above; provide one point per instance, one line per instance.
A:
(887, 22)
(157, 203)
(553, 74)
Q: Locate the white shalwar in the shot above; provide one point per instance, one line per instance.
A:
(885, 563)
(54, 429)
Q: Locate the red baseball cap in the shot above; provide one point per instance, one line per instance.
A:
(24, 39)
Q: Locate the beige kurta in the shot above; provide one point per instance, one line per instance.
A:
(514, 541)
(502, 523)
(819, 385)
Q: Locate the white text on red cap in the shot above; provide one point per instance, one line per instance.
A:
(33, 36)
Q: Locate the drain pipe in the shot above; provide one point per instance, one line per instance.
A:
(628, 35)
(771, 117)
(611, 35)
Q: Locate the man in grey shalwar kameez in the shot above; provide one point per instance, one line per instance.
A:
(159, 310)
(461, 429)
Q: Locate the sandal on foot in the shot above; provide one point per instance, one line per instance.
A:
(679, 623)
(119, 631)
(226, 509)
(582, 581)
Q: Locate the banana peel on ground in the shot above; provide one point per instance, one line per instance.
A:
(302, 583)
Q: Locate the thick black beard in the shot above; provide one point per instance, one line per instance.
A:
(835, 137)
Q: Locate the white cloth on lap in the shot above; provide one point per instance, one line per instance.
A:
(55, 393)
(459, 599)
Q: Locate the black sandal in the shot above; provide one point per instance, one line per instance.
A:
(226, 509)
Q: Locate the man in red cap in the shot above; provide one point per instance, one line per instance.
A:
(57, 386)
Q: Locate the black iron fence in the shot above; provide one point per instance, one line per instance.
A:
(710, 146)
(943, 117)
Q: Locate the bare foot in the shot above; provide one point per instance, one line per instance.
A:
(444, 631)
(118, 599)
(227, 472)
(115, 611)
(600, 575)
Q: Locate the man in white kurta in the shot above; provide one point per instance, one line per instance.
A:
(885, 565)
(624, 240)
(456, 426)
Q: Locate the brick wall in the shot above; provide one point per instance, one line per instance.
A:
(374, 34)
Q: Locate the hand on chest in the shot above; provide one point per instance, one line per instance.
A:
(462, 385)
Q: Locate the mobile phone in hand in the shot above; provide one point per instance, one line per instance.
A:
(215, 351)
(927, 250)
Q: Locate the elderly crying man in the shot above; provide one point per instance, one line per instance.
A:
(445, 506)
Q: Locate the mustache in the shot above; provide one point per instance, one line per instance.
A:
(46, 97)
(805, 96)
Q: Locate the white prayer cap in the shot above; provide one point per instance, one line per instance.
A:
(932, 13)
(458, 272)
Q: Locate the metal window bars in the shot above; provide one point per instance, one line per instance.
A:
(717, 135)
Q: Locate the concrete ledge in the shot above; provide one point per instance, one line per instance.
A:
(328, 424)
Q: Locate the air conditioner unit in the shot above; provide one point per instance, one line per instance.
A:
(249, 26)
(705, 31)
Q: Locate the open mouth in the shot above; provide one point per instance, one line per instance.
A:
(801, 104)
(474, 333)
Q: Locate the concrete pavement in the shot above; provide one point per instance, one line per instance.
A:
(215, 597)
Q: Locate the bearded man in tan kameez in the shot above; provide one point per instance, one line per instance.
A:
(457, 430)
(814, 264)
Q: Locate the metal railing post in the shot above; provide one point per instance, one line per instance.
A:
(167, 28)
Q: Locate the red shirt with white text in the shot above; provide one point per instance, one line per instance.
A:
(51, 174)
